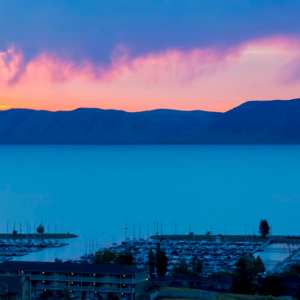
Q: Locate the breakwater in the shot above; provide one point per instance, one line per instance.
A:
(228, 238)
(33, 236)
(14, 245)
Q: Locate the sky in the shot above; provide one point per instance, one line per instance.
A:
(145, 54)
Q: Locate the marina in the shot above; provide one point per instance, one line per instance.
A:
(218, 253)
(59, 263)
(15, 245)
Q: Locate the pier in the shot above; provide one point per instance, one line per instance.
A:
(14, 245)
(34, 236)
(281, 239)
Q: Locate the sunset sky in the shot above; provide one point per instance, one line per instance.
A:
(145, 54)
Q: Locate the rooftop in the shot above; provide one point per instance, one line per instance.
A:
(10, 285)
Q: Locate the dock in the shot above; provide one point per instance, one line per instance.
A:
(35, 236)
(281, 239)
(14, 245)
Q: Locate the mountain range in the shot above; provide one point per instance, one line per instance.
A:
(253, 122)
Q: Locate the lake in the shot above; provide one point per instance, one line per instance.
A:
(97, 191)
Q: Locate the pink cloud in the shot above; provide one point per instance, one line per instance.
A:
(10, 64)
(210, 79)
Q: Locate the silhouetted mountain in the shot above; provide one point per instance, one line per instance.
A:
(254, 122)
(262, 122)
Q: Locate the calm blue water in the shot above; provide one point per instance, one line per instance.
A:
(94, 191)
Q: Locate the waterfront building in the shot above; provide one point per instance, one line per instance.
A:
(79, 280)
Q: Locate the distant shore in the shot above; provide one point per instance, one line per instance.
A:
(243, 125)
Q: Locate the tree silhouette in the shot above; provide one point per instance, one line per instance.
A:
(272, 285)
(181, 269)
(161, 262)
(264, 228)
(125, 258)
(40, 229)
(247, 269)
(197, 265)
(259, 265)
(107, 256)
(104, 257)
(151, 263)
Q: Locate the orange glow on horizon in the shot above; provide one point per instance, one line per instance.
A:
(4, 107)
(208, 79)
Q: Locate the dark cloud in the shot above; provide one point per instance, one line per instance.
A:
(92, 29)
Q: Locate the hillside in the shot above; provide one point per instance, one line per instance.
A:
(254, 122)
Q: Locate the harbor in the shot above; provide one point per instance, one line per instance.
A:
(62, 261)
(15, 246)
(218, 253)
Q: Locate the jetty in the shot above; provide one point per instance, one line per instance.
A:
(281, 239)
(35, 236)
(16, 244)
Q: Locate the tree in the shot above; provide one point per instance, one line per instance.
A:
(187, 274)
(161, 262)
(124, 259)
(104, 257)
(40, 229)
(109, 257)
(181, 269)
(294, 269)
(197, 265)
(264, 228)
(259, 265)
(151, 263)
(272, 285)
(247, 269)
